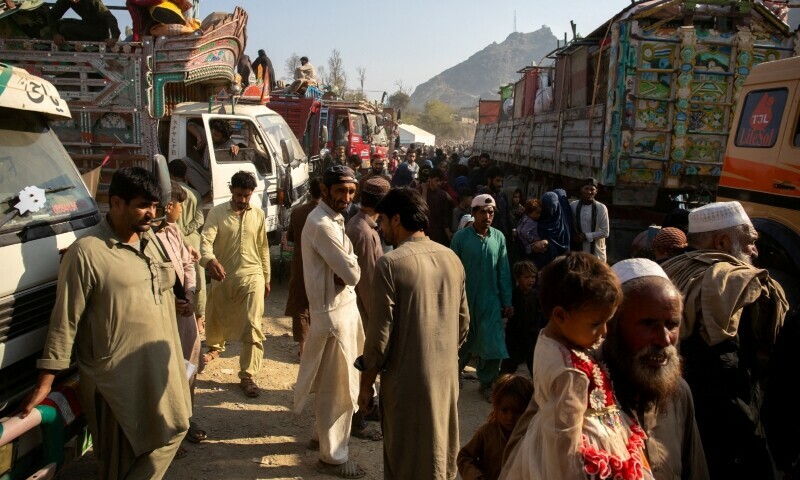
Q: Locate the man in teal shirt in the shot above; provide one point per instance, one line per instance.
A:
(482, 250)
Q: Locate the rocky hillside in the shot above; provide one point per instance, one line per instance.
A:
(481, 74)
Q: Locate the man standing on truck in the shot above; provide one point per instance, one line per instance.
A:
(591, 221)
(236, 254)
(115, 304)
(96, 22)
(267, 70)
(731, 317)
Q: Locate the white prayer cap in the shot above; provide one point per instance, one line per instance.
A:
(632, 268)
(717, 216)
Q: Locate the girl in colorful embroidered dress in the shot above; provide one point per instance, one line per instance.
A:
(578, 431)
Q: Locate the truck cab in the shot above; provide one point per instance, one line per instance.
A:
(762, 166)
(45, 207)
(267, 148)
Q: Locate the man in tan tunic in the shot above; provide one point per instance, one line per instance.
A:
(236, 254)
(418, 319)
(115, 304)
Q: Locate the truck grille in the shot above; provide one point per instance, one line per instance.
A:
(26, 312)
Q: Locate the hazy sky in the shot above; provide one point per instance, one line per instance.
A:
(408, 41)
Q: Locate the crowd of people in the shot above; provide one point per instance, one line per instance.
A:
(402, 276)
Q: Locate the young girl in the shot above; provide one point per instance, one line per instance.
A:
(523, 326)
(528, 229)
(578, 432)
(183, 262)
(482, 457)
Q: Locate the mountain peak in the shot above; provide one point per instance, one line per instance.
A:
(480, 75)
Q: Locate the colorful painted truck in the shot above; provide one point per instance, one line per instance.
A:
(644, 103)
(137, 100)
(315, 120)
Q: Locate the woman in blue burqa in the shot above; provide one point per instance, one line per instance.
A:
(555, 226)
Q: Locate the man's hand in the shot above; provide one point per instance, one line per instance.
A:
(194, 253)
(110, 42)
(183, 307)
(365, 398)
(59, 39)
(267, 290)
(508, 312)
(234, 150)
(39, 392)
(215, 269)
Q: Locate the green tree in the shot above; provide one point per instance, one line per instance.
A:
(438, 118)
(399, 100)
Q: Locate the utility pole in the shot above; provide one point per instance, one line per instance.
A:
(515, 21)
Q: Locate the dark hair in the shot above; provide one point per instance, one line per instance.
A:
(178, 194)
(435, 173)
(243, 180)
(494, 172)
(409, 204)
(262, 52)
(313, 188)
(177, 168)
(303, 58)
(575, 280)
(222, 127)
(485, 155)
(370, 200)
(522, 267)
(354, 159)
(465, 192)
(533, 205)
(132, 182)
(510, 385)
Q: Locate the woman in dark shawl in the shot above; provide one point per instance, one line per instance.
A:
(554, 227)
(402, 176)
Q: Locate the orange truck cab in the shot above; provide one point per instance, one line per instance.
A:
(762, 165)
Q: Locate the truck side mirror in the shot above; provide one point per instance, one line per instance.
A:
(285, 152)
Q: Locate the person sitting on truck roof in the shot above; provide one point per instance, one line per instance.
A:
(96, 22)
(304, 77)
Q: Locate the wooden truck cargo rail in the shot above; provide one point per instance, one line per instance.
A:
(644, 103)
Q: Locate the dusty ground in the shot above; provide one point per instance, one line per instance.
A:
(261, 438)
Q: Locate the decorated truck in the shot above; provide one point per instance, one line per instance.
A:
(137, 99)
(314, 120)
(643, 103)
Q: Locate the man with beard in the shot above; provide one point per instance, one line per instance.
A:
(418, 319)
(236, 255)
(642, 356)
(336, 335)
(115, 305)
(377, 169)
(591, 221)
(731, 318)
(641, 352)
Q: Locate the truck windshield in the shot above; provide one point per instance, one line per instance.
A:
(277, 129)
(31, 156)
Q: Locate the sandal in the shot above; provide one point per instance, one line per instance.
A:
(182, 452)
(368, 434)
(211, 355)
(249, 387)
(349, 469)
(195, 435)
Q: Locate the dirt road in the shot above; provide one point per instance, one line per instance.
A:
(262, 438)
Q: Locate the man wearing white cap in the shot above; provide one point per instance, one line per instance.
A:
(482, 250)
(641, 352)
(731, 318)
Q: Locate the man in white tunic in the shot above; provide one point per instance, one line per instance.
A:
(336, 335)
(591, 221)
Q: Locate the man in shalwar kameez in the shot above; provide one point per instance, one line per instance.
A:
(115, 304)
(336, 335)
(482, 250)
(418, 319)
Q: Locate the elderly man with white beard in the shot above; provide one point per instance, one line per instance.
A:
(731, 318)
(641, 352)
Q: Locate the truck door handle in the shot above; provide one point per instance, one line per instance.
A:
(784, 186)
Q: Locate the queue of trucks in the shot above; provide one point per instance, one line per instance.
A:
(89, 109)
